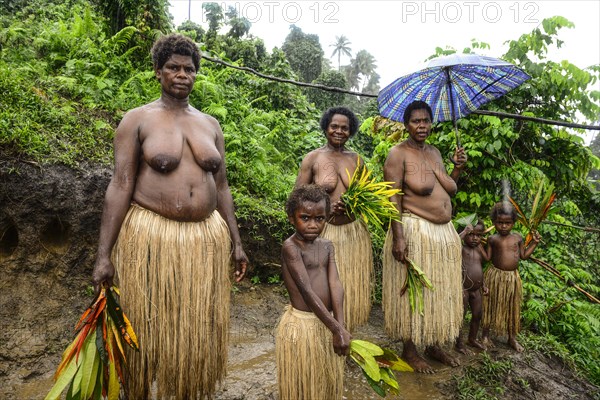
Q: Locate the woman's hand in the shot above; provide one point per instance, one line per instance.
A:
(460, 158)
(338, 208)
(241, 263)
(400, 250)
(103, 275)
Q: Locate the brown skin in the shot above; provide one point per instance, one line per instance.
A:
(505, 249)
(170, 159)
(417, 169)
(310, 273)
(327, 167)
(473, 256)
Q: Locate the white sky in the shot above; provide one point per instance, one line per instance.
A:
(402, 34)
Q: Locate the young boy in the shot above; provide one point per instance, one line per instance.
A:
(473, 256)
(502, 308)
(311, 335)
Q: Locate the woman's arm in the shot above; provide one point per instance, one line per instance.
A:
(393, 171)
(118, 195)
(226, 209)
(305, 175)
(434, 159)
(459, 160)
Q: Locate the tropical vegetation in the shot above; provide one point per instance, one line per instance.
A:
(69, 71)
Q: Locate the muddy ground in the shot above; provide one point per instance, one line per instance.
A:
(49, 219)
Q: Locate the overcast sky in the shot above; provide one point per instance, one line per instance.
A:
(402, 34)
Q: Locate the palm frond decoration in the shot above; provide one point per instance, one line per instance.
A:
(415, 282)
(377, 365)
(92, 365)
(540, 208)
(370, 200)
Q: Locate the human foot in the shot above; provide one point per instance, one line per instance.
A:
(486, 342)
(460, 347)
(437, 353)
(476, 344)
(512, 342)
(418, 364)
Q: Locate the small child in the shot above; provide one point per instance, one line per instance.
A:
(473, 256)
(502, 308)
(311, 335)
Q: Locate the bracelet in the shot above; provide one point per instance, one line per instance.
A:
(453, 162)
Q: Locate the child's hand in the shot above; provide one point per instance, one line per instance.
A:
(485, 290)
(341, 342)
(536, 237)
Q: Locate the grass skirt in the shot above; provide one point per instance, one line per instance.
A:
(354, 259)
(174, 281)
(307, 366)
(436, 249)
(502, 308)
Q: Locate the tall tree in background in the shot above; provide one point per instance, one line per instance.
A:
(240, 26)
(341, 47)
(304, 53)
(360, 70)
(146, 15)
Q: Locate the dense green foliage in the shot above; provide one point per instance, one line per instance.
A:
(67, 76)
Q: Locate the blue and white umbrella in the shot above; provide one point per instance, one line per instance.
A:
(454, 86)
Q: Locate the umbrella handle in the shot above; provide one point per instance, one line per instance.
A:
(458, 143)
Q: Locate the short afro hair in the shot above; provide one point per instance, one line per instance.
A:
(503, 208)
(312, 193)
(174, 43)
(416, 105)
(328, 116)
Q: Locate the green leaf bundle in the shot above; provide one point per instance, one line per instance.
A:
(416, 281)
(377, 365)
(368, 199)
(92, 365)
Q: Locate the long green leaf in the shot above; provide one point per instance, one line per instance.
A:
(375, 385)
(362, 346)
(368, 364)
(62, 381)
(89, 358)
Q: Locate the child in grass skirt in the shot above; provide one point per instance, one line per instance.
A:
(311, 337)
(502, 308)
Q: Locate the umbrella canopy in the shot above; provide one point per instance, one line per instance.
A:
(454, 86)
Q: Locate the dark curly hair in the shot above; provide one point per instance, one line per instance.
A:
(174, 43)
(416, 105)
(503, 208)
(479, 222)
(328, 116)
(312, 193)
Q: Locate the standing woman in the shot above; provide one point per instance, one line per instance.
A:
(168, 225)
(326, 167)
(426, 236)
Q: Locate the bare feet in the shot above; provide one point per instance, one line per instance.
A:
(460, 347)
(486, 342)
(512, 342)
(476, 344)
(418, 364)
(437, 353)
(410, 355)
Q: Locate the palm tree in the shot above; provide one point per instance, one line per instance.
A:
(341, 47)
(364, 65)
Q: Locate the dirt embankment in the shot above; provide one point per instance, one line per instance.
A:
(49, 220)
